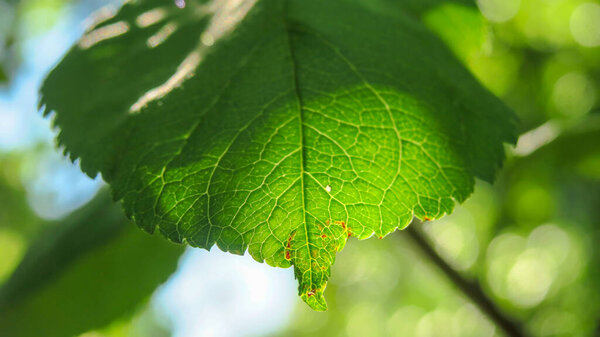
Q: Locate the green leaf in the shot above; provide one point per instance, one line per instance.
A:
(275, 127)
(416, 8)
(94, 268)
(15, 214)
(3, 75)
(468, 33)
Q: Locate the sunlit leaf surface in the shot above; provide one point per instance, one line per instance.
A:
(281, 128)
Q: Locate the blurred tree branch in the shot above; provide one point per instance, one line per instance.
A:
(471, 289)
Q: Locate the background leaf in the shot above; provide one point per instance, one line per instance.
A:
(94, 269)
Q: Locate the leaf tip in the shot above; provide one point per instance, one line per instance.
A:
(315, 299)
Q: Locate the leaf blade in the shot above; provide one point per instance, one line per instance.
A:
(291, 128)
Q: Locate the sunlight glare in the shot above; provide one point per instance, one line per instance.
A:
(162, 35)
(103, 33)
(226, 15)
(150, 17)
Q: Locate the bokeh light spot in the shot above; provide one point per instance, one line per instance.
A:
(499, 10)
(455, 239)
(573, 94)
(530, 278)
(585, 24)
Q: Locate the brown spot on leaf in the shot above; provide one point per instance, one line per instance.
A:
(341, 223)
(289, 240)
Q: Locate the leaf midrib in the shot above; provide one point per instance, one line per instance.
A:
(288, 33)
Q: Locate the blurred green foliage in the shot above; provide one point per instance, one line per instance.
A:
(99, 287)
(22, 20)
(79, 273)
(17, 220)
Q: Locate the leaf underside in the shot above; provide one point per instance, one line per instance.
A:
(275, 127)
